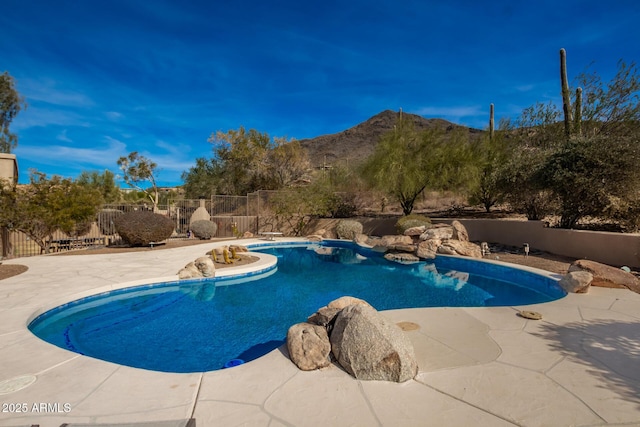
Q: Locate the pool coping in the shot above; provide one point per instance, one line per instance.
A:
(476, 364)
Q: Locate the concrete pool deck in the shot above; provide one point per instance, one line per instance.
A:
(578, 366)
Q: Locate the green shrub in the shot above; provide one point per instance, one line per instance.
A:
(204, 229)
(140, 228)
(105, 220)
(348, 229)
(413, 220)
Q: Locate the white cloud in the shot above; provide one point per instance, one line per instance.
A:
(92, 157)
(41, 117)
(62, 136)
(114, 115)
(47, 90)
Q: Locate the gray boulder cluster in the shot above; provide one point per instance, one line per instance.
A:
(423, 242)
(364, 342)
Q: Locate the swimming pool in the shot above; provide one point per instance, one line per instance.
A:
(195, 326)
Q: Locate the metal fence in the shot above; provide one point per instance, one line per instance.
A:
(230, 213)
(234, 215)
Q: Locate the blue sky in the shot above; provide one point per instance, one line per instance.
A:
(104, 78)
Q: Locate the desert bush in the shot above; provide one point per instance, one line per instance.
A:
(348, 229)
(105, 220)
(140, 228)
(343, 205)
(413, 220)
(204, 229)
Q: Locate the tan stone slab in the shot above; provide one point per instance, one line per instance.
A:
(598, 298)
(138, 391)
(213, 413)
(168, 413)
(521, 396)
(68, 383)
(328, 397)
(596, 315)
(520, 348)
(613, 397)
(627, 307)
(433, 355)
(30, 356)
(414, 404)
(252, 382)
(501, 318)
(452, 328)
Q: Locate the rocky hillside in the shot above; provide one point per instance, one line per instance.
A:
(358, 142)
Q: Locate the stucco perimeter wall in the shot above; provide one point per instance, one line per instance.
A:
(610, 248)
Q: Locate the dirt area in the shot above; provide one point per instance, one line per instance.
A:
(542, 260)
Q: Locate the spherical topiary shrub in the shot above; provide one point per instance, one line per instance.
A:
(105, 220)
(348, 229)
(410, 221)
(140, 228)
(204, 229)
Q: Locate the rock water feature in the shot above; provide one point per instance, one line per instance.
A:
(423, 242)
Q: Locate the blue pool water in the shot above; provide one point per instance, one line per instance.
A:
(205, 325)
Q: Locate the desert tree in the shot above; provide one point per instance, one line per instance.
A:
(47, 205)
(245, 161)
(406, 162)
(10, 105)
(104, 182)
(137, 170)
(201, 180)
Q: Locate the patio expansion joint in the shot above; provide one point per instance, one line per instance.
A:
(263, 405)
(545, 372)
(368, 402)
(57, 365)
(467, 403)
(195, 395)
(97, 387)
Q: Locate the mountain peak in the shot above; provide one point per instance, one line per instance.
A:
(358, 142)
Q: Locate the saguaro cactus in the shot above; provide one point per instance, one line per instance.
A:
(491, 122)
(566, 97)
(578, 115)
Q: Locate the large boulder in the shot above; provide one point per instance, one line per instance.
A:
(427, 249)
(371, 347)
(201, 267)
(577, 282)
(309, 346)
(459, 231)
(325, 315)
(346, 301)
(385, 243)
(189, 271)
(457, 247)
(438, 231)
(363, 240)
(415, 231)
(393, 240)
(607, 276)
(205, 265)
